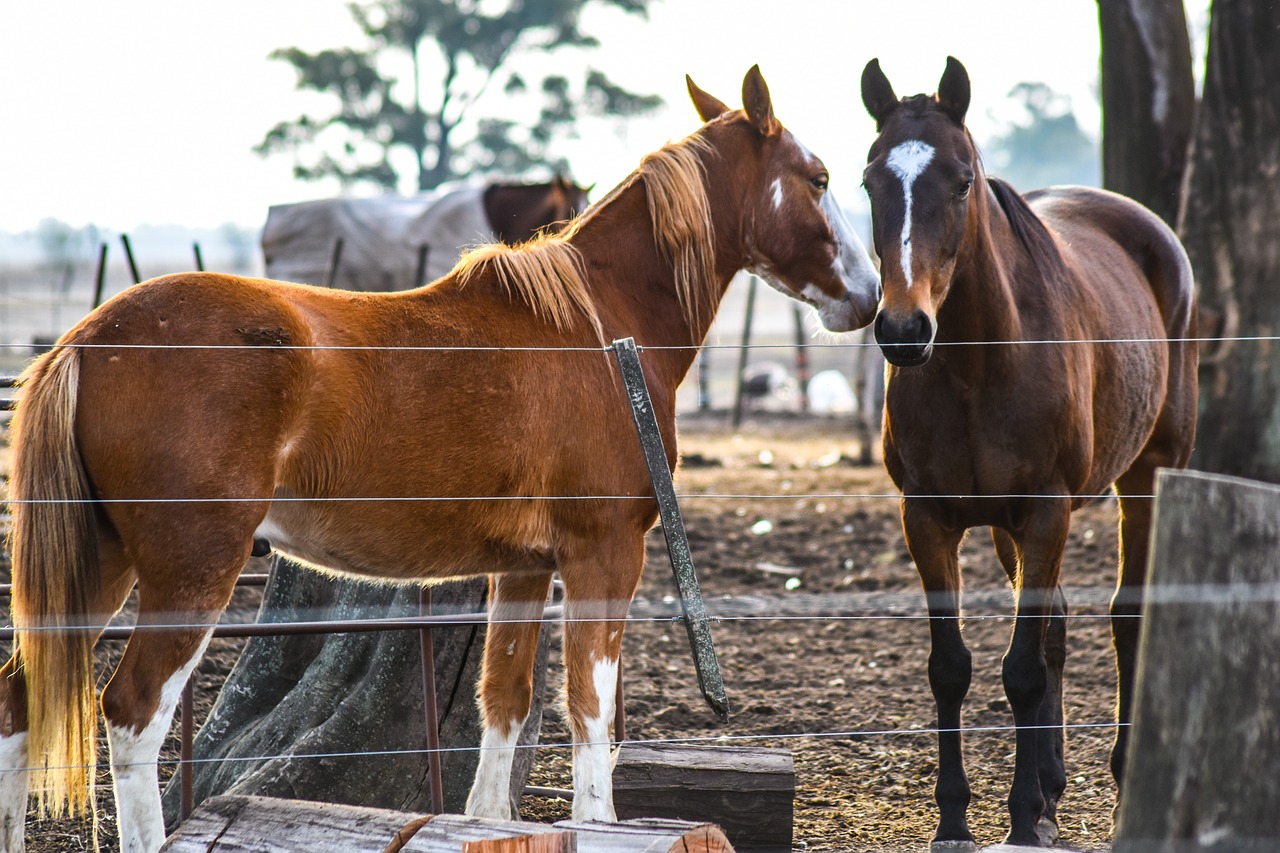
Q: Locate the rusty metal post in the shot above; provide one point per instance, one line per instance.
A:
(185, 766)
(429, 704)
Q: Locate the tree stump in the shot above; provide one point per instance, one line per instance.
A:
(1205, 748)
(291, 697)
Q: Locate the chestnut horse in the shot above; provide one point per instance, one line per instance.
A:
(477, 425)
(1039, 358)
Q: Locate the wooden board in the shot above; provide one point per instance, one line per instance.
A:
(234, 824)
(1205, 747)
(238, 824)
(749, 792)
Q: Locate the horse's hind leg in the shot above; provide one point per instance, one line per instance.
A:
(599, 582)
(1051, 756)
(117, 580)
(516, 604)
(139, 701)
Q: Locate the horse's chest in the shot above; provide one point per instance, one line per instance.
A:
(950, 443)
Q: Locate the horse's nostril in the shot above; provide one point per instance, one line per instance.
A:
(923, 328)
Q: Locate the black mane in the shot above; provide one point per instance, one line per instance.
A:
(1028, 228)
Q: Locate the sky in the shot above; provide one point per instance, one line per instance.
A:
(138, 112)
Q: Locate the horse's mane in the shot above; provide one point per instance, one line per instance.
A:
(1029, 229)
(547, 272)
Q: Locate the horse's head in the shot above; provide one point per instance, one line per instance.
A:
(793, 233)
(519, 212)
(920, 173)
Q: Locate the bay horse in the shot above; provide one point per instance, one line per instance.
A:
(1039, 357)
(477, 425)
(519, 212)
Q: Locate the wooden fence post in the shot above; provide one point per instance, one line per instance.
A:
(1203, 769)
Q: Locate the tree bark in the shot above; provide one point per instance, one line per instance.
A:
(1148, 101)
(290, 697)
(1229, 226)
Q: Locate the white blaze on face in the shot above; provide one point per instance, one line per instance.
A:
(592, 781)
(907, 160)
(777, 193)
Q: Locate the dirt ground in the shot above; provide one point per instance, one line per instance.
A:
(800, 555)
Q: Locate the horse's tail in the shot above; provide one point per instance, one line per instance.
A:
(54, 547)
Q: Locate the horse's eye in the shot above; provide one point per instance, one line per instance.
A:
(820, 181)
(963, 191)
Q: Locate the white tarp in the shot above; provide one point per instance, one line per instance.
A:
(381, 237)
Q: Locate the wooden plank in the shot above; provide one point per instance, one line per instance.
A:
(1205, 746)
(233, 824)
(749, 792)
(450, 833)
(240, 824)
(550, 842)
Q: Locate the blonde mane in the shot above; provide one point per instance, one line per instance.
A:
(547, 271)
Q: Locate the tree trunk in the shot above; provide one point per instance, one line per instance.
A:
(294, 696)
(1148, 101)
(1229, 226)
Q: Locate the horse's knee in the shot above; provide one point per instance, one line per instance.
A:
(1025, 679)
(950, 672)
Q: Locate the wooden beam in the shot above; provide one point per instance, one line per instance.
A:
(1205, 746)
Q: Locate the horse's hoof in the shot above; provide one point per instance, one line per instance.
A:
(953, 847)
(1047, 829)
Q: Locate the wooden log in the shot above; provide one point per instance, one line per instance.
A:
(1205, 747)
(234, 824)
(749, 792)
(241, 824)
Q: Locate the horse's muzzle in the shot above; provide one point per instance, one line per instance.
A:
(906, 341)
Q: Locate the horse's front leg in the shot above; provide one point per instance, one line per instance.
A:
(599, 584)
(935, 548)
(1026, 672)
(1051, 755)
(516, 604)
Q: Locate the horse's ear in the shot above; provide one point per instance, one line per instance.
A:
(877, 93)
(953, 91)
(708, 106)
(757, 103)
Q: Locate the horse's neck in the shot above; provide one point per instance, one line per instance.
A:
(634, 285)
(982, 304)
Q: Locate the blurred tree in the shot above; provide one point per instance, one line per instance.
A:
(384, 108)
(1046, 146)
(1228, 225)
(1148, 101)
(64, 248)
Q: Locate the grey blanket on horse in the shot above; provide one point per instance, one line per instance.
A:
(381, 238)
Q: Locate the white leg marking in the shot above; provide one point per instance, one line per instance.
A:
(13, 791)
(592, 774)
(491, 791)
(133, 767)
(907, 160)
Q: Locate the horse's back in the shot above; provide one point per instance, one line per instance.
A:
(1090, 223)
(1081, 216)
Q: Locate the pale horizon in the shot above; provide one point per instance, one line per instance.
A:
(144, 112)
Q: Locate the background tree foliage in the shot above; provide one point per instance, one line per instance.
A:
(1045, 145)
(386, 107)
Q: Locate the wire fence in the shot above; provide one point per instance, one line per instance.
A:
(720, 610)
